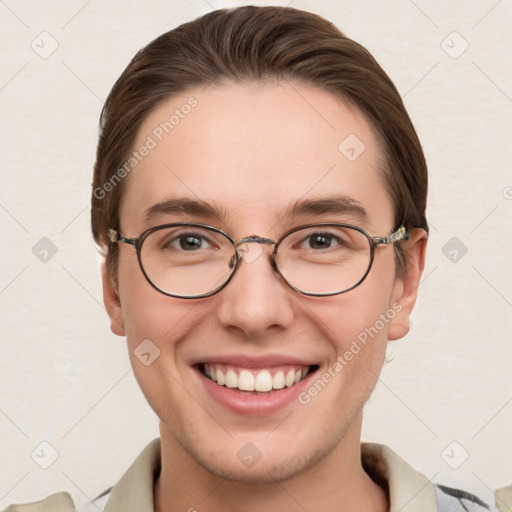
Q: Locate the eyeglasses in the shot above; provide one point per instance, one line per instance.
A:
(192, 261)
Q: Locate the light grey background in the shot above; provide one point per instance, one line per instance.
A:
(66, 380)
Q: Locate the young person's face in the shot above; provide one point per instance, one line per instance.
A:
(251, 152)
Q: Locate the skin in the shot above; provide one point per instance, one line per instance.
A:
(251, 150)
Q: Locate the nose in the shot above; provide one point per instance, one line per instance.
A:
(256, 300)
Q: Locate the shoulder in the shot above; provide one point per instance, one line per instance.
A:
(450, 499)
(504, 499)
(98, 504)
(58, 502)
(132, 493)
(410, 490)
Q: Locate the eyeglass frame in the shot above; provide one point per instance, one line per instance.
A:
(396, 236)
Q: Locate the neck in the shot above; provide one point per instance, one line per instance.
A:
(337, 482)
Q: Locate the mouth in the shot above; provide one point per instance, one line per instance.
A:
(256, 381)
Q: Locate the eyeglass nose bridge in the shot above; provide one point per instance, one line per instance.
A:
(240, 253)
(253, 239)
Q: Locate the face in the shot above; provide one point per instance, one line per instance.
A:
(251, 152)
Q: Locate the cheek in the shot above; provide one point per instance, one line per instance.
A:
(357, 322)
(362, 314)
(147, 313)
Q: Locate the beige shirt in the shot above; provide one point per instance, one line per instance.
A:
(504, 499)
(409, 491)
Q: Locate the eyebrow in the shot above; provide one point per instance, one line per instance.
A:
(339, 204)
(182, 206)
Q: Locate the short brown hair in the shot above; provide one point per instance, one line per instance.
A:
(252, 44)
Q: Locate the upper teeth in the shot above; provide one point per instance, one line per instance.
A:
(255, 380)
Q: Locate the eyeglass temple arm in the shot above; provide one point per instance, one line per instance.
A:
(400, 234)
(115, 236)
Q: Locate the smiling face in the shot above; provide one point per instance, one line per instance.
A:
(255, 159)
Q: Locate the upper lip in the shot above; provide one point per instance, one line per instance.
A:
(246, 361)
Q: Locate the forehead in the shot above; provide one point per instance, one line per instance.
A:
(251, 150)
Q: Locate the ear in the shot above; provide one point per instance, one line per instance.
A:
(112, 302)
(406, 289)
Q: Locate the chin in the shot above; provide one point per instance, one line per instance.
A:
(264, 471)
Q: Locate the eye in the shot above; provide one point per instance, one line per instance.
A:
(189, 242)
(320, 241)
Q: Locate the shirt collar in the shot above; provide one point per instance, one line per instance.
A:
(134, 492)
(409, 491)
(504, 499)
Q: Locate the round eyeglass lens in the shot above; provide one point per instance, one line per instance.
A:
(187, 260)
(324, 259)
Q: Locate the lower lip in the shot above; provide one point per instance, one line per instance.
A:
(253, 404)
